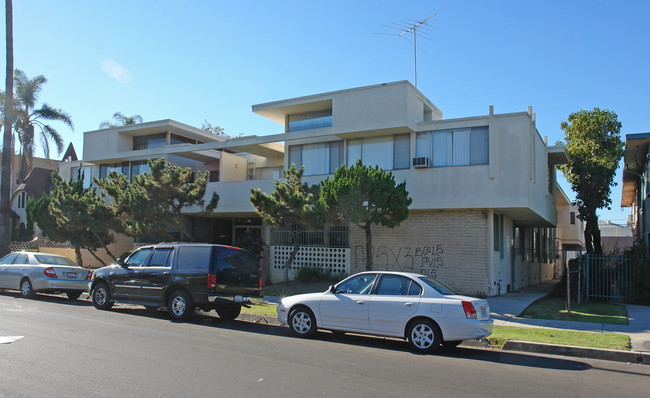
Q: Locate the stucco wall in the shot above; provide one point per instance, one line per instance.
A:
(451, 246)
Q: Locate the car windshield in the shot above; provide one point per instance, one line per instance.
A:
(439, 286)
(54, 260)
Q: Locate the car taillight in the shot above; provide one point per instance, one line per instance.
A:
(49, 271)
(470, 311)
(89, 276)
(260, 283)
(212, 281)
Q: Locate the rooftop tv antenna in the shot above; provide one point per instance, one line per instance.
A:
(416, 28)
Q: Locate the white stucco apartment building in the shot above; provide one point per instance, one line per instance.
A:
(484, 194)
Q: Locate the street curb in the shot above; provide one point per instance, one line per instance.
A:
(515, 345)
(582, 352)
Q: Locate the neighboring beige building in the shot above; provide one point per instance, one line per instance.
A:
(484, 193)
(615, 237)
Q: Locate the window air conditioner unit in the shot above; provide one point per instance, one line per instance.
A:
(420, 162)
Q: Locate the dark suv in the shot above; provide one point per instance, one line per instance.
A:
(180, 277)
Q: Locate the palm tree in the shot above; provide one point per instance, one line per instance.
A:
(29, 119)
(5, 180)
(121, 120)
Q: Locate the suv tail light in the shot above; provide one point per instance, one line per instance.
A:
(49, 271)
(470, 311)
(260, 284)
(89, 276)
(212, 281)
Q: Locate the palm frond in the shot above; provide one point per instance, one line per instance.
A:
(51, 133)
(28, 90)
(45, 144)
(49, 113)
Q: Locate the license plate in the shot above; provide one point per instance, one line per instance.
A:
(71, 275)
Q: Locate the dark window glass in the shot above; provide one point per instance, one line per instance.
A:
(235, 259)
(161, 257)
(415, 289)
(439, 286)
(176, 139)
(194, 257)
(54, 260)
(295, 155)
(496, 232)
(573, 217)
(393, 285)
(8, 259)
(149, 141)
(139, 258)
(22, 259)
(336, 155)
(360, 284)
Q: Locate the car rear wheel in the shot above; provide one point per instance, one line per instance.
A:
(229, 313)
(101, 296)
(180, 305)
(424, 336)
(73, 295)
(26, 289)
(302, 322)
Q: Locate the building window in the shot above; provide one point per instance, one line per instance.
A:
(105, 169)
(149, 141)
(388, 152)
(497, 232)
(459, 147)
(310, 120)
(175, 139)
(22, 200)
(573, 217)
(317, 159)
(137, 168)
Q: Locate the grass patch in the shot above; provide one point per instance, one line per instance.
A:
(553, 308)
(258, 308)
(501, 334)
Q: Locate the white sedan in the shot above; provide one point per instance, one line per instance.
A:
(31, 272)
(414, 307)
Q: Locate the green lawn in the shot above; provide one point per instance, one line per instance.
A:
(554, 308)
(501, 334)
(258, 308)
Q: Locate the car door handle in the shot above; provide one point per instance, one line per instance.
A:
(24, 269)
(165, 273)
(408, 304)
(360, 302)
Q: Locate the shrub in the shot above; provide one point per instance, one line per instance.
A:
(317, 274)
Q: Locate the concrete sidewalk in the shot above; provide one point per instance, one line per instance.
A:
(505, 311)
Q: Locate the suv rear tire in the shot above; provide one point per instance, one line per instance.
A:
(229, 312)
(180, 305)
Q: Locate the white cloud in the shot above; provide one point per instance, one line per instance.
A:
(116, 71)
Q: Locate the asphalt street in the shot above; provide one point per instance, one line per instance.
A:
(70, 349)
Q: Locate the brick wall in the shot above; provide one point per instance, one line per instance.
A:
(451, 246)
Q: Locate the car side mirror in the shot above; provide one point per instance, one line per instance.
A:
(332, 289)
(122, 263)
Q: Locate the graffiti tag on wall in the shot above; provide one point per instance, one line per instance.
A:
(425, 260)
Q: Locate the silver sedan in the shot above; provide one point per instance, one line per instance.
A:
(31, 272)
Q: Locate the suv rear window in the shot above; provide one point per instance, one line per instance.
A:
(238, 259)
(194, 257)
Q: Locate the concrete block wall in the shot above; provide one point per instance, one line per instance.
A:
(451, 246)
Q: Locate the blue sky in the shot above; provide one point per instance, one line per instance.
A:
(196, 60)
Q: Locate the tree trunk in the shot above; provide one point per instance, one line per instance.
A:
(292, 256)
(366, 228)
(592, 236)
(105, 246)
(97, 258)
(5, 181)
(77, 253)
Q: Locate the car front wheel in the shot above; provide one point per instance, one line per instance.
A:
(101, 296)
(424, 336)
(26, 289)
(180, 305)
(302, 322)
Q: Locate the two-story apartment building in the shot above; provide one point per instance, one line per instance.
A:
(636, 184)
(483, 188)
